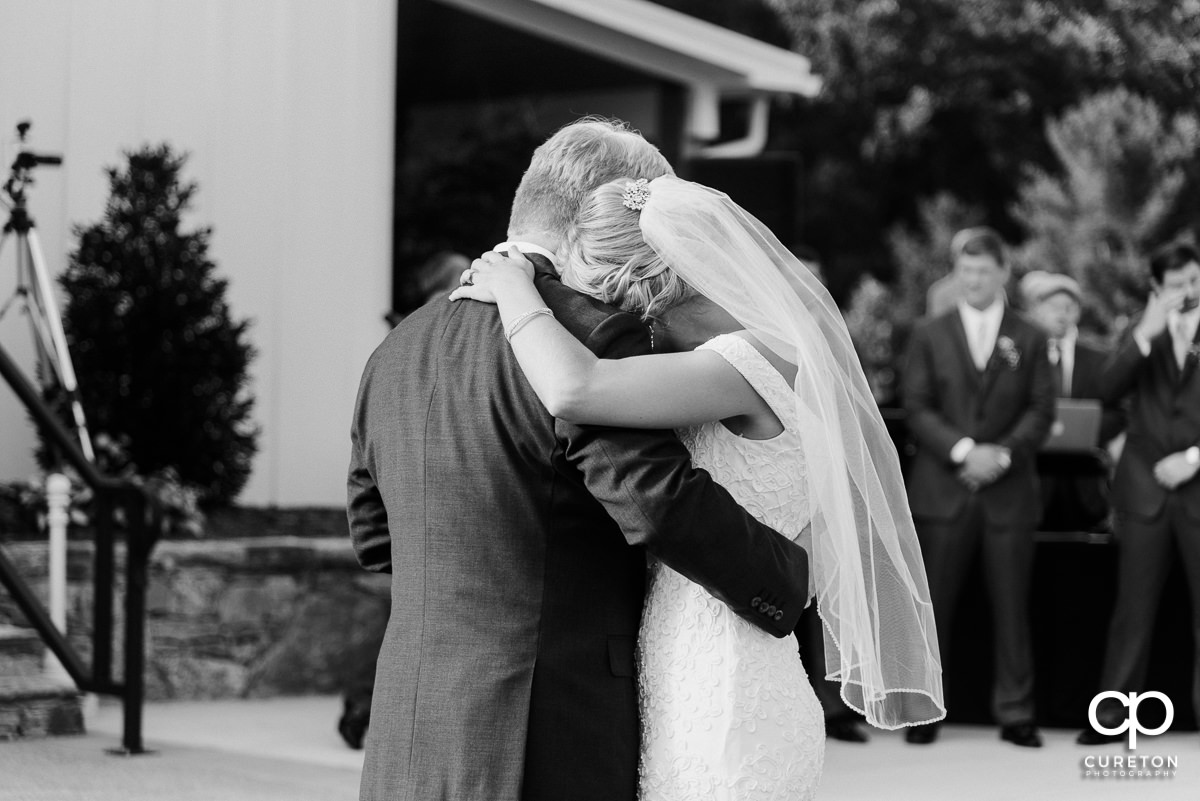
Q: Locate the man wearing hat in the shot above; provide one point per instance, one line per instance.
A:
(1071, 501)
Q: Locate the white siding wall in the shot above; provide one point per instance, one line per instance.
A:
(286, 107)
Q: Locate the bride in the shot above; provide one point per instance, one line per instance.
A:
(754, 366)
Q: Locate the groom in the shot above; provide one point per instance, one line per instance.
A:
(507, 669)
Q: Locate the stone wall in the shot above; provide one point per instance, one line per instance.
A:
(236, 617)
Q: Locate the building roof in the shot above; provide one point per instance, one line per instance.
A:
(710, 60)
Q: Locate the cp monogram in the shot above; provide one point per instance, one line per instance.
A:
(1131, 723)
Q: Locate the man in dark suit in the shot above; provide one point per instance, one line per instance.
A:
(1155, 493)
(507, 668)
(1074, 487)
(980, 400)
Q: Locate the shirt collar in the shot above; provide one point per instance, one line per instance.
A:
(527, 247)
(993, 312)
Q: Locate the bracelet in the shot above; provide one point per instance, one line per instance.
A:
(1192, 455)
(523, 320)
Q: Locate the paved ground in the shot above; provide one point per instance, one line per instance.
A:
(252, 750)
(288, 750)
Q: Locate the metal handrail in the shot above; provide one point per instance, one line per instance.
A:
(141, 514)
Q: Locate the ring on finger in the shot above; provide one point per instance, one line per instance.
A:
(467, 277)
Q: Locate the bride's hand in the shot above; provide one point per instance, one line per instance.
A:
(491, 273)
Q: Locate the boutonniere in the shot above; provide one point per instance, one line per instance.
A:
(1009, 352)
(1194, 352)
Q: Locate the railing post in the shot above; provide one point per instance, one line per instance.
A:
(58, 499)
(102, 589)
(137, 553)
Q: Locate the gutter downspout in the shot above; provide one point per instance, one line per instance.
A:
(750, 145)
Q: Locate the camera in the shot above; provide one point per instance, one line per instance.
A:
(27, 160)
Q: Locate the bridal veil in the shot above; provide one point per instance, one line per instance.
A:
(871, 589)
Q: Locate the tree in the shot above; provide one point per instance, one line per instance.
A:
(1126, 182)
(930, 96)
(162, 364)
(880, 316)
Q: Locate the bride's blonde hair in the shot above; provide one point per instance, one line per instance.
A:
(606, 257)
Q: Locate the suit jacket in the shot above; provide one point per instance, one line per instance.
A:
(1087, 382)
(1164, 418)
(1011, 403)
(507, 665)
(1075, 487)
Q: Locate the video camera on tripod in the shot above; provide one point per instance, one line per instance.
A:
(33, 282)
(20, 177)
(26, 159)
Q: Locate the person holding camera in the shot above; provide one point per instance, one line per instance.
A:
(1155, 491)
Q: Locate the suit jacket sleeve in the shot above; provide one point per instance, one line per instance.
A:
(1112, 421)
(364, 505)
(1031, 428)
(646, 482)
(927, 425)
(1121, 371)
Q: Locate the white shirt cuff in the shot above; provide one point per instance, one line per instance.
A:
(958, 454)
(1142, 343)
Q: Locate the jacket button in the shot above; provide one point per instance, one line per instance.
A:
(779, 615)
(756, 602)
(770, 610)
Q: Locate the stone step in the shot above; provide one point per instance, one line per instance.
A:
(37, 706)
(21, 651)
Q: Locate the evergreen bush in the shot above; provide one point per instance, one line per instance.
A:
(161, 361)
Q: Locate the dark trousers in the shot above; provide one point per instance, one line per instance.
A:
(949, 546)
(812, 654)
(1145, 550)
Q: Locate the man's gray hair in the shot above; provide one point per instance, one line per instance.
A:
(566, 167)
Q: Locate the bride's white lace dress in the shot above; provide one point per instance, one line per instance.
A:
(727, 710)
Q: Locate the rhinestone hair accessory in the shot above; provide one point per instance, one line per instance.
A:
(636, 194)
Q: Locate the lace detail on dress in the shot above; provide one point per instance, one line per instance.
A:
(727, 710)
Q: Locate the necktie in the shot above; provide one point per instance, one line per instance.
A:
(982, 351)
(1060, 375)
(1179, 339)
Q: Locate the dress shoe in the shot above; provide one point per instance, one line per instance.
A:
(845, 728)
(1022, 734)
(1093, 737)
(924, 734)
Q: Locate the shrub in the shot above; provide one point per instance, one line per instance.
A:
(162, 363)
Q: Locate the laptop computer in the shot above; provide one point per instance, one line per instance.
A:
(1076, 426)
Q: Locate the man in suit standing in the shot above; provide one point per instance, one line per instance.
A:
(980, 400)
(507, 667)
(1156, 493)
(1074, 487)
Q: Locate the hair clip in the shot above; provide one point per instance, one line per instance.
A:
(636, 194)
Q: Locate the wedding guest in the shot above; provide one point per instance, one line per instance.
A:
(435, 277)
(980, 400)
(1155, 490)
(1070, 502)
(943, 295)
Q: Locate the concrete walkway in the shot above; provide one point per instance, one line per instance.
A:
(288, 749)
(285, 749)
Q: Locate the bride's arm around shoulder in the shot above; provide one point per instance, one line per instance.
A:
(668, 390)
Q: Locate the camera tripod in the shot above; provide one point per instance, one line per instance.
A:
(34, 289)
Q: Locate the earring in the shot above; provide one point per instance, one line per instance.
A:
(651, 327)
